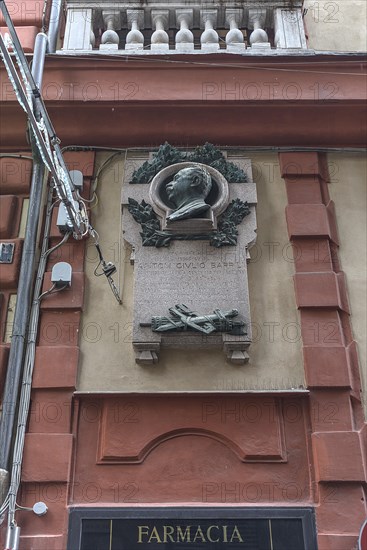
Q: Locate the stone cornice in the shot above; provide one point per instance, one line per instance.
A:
(156, 4)
(283, 101)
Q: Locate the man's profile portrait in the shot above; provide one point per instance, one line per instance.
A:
(188, 191)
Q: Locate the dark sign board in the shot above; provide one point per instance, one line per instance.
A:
(192, 529)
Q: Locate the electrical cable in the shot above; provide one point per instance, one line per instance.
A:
(121, 271)
(108, 268)
(52, 290)
(30, 99)
(15, 369)
(255, 148)
(24, 401)
(127, 150)
(33, 323)
(250, 66)
(102, 167)
(44, 135)
(17, 156)
(64, 239)
(27, 508)
(94, 199)
(46, 293)
(47, 143)
(44, 10)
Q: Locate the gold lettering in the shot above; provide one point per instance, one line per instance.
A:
(237, 534)
(208, 533)
(183, 535)
(199, 533)
(141, 534)
(154, 535)
(168, 534)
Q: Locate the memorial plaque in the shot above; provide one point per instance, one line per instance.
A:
(193, 528)
(179, 257)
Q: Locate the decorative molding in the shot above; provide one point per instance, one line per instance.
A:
(157, 420)
(183, 432)
(205, 154)
(225, 235)
(183, 319)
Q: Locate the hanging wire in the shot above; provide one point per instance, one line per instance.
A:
(52, 290)
(93, 201)
(242, 65)
(17, 156)
(102, 167)
(46, 293)
(44, 11)
(107, 268)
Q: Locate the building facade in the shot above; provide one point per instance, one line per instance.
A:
(248, 441)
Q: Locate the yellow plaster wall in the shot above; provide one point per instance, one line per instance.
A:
(338, 25)
(348, 174)
(107, 358)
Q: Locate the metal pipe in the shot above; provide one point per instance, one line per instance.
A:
(24, 292)
(12, 538)
(53, 28)
(40, 47)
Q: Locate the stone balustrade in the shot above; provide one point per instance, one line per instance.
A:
(113, 27)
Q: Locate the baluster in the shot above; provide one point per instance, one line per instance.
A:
(110, 39)
(184, 37)
(159, 39)
(289, 29)
(234, 37)
(135, 38)
(259, 37)
(79, 25)
(209, 38)
(92, 39)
